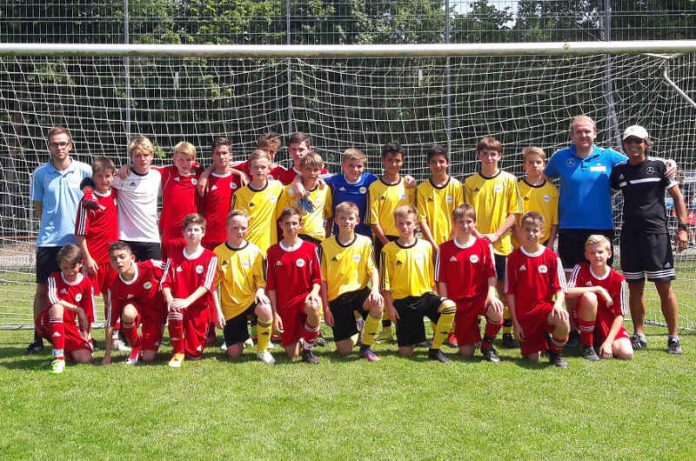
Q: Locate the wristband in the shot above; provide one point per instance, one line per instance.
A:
(681, 226)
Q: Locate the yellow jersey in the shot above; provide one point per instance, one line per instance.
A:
(239, 274)
(312, 223)
(436, 205)
(346, 268)
(260, 205)
(383, 199)
(544, 200)
(407, 271)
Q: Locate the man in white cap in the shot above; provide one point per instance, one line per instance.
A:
(646, 249)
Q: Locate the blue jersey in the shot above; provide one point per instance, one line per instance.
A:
(585, 192)
(344, 191)
(59, 194)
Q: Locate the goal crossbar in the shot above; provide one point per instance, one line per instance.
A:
(346, 51)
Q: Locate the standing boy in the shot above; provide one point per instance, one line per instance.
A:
(645, 244)
(496, 199)
(534, 276)
(408, 287)
(465, 272)
(347, 266)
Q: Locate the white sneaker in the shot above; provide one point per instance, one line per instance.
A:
(119, 345)
(223, 346)
(58, 366)
(265, 357)
(249, 343)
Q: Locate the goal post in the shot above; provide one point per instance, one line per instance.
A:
(343, 96)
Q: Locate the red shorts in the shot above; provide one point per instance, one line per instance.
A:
(294, 319)
(73, 340)
(466, 327)
(196, 320)
(151, 329)
(103, 279)
(535, 326)
(172, 246)
(602, 327)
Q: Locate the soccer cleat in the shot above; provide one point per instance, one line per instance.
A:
(58, 366)
(367, 353)
(557, 360)
(573, 339)
(177, 360)
(309, 357)
(134, 356)
(266, 357)
(509, 341)
(589, 353)
(436, 354)
(320, 342)
(490, 354)
(248, 343)
(425, 343)
(385, 335)
(223, 346)
(674, 347)
(452, 341)
(120, 346)
(35, 347)
(638, 341)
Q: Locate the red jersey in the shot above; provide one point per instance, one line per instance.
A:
(465, 269)
(276, 171)
(80, 293)
(143, 292)
(613, 282)
(533, 278)
(100, 226)
(288, 176)
(291, 272)
(184, 274)
(215, 206)
(178, 200)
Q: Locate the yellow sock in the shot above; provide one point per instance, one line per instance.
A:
(263, 331)
(370, 330)
(507, 321)
(444, 324)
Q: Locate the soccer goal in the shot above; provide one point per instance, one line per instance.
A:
(343, 96)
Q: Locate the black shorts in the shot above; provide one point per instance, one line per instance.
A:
(145, 250)
(646, 254)
(378, 247)
(571, 245)
(410, 328)
(46, 262)
(500, 263)
(236, 330)
(316, 242)
(343, 308)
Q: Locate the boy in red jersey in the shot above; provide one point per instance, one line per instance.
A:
(187, 288)
(465, 272)
(135, 298)
(216, 198)
(601, 294)
(71, 297)
(293, 284)
(96, 229)
(534, 275)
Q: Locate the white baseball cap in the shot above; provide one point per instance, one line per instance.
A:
(636, 131)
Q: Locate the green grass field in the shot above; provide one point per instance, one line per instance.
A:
(348, 408)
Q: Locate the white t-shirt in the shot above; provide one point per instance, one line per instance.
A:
(137, 206)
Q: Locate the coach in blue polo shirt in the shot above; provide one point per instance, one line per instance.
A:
(55, 192)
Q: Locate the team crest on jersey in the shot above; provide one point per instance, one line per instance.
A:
(570, 162)
(543, 269)
(474, 259)
(78, 297)
(547, 198)
(449, 199)
(194, 181)
(402, 196)
(272, 198)
(363, 190)
(199, 269)
(246, 264)
(650, 170)
(233, 185)
(147, 285)
(498, 189)
(300, 262)
(356, 258)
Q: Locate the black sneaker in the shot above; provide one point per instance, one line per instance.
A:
(589, 353)
(436, 354)
(490, 354)
(673, 347)
(573, 339)
(309, 357)
(509, 342)
(638, 342)
(424, 344)
(36, 346)
(557, 360)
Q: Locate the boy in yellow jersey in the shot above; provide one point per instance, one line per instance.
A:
(408, 287)
(316, 206)
(495, 196)
(259, 199)
(242, 284)
(538, 195)
(384, 196)
(347, 265)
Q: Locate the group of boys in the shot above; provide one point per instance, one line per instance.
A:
(278, 265)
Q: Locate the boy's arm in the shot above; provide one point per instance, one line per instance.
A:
(375, 295)
(552, 236)
(492, 296)
(203, 181)
(38, 209)
(90, 263)
(389, 302)
(507, 224)
(605, 350)
(682, 236)
(328, 316)
(427, 234)
(516, 328)
(108, 344)
(277, 321)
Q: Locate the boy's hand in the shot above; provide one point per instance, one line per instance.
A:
(106, 361)
(322, 184)
(606, 296)
(203, 181)
(177, 304)
(328, 317)
(219, 319)
(313, 300)
(278, 323)
(393, 313)
(559, 312)
(123, 172)
(409, 182)
(82, 318)
(682, 239)
(605, 351)
(375, 298)
(671, 171)
(91, 265)
(495, 305)
(492, 237)
(517, 331)
(261, 298)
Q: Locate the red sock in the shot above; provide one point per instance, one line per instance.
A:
(557, 344)
(309, 336)
(176, 331)
(58, 337)
(490, 332)
(586, 328)
(131, 334)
